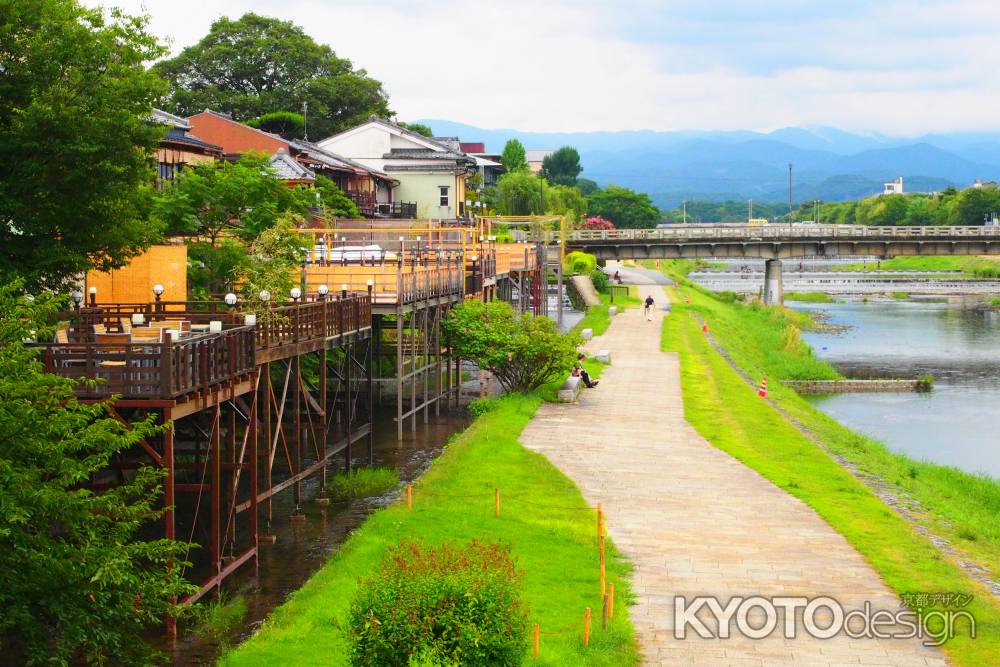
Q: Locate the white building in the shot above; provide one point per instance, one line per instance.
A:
(534, 158)
(894, 187)
(431, 172)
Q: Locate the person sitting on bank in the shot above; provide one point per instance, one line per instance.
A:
(581, 372)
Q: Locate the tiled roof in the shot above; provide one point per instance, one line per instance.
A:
(166, 118)
(333, 160)
(289, 169)
(176, 135)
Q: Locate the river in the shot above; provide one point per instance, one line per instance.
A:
(958, 422)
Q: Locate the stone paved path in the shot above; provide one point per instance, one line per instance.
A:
(694, 521)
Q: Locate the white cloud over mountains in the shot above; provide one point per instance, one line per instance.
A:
(900, 68)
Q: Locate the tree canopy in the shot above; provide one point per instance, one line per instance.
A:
(75, 138)
(968, 207)
(562, 167)
(625, 208)
(255, 65)
(77, 581)
(288, 124)
(513, 156)
(520, 192)
(419, 128)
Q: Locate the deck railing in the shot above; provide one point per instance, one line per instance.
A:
(154, 370)
(776, 231)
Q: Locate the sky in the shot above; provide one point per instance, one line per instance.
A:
(897, 68)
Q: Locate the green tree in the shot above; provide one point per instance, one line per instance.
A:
(419, 128)
(75, 138)
(624, 207)
(974, 204)
(563, 199)
(256, 64)
(78, 582)
(287, 124)
(562, 167)
(513, 156)
(243, 197)
(586, 186)
(212, 268)
(520, 193)
(522, 351)
(275, 259)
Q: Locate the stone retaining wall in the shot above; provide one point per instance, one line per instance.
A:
(844, 386)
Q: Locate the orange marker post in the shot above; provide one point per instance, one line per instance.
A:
(537, 633)
(496, 501)
(586, 627)
(611, 600)
(409, 496)
(603, 581)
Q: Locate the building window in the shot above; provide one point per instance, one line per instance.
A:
(443, 195)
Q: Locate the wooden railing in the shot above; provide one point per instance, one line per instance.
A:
(154, 370)
(313, 321)
(389, 284)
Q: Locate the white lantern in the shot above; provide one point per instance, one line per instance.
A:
(230, 299)
(296, 293)
(265, 296)
(323, 290)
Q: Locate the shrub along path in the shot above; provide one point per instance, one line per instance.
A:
(695, 521)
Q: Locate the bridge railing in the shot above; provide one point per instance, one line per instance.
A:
(777, 232)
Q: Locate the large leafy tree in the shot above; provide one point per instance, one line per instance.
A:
(242, 198)
(513, 156)
(75, 138)
(625, 208)
(78, 582)
(520, 193)
(256, 65)
(522, 351)
(974, 204)
(562, 167)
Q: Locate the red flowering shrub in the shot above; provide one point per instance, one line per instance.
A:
(597, 222)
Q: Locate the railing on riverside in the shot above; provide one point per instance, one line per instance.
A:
(775, 231)
(154, 370)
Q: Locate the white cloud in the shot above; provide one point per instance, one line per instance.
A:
(900, 67)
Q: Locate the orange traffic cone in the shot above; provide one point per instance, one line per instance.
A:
(704, 327)
(762, 392)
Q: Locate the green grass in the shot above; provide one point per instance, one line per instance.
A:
(597, 317)
(810, 297)
(556, 547)
(900, 296)
(973, 266)
(727, 412)
(362, 482)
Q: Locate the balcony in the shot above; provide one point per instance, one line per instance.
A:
(370, 208)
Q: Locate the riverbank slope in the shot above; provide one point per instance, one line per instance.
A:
(720, 404)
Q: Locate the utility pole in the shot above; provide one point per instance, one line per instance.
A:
(685, 205)
(305, 120)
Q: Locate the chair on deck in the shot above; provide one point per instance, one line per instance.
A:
(62, 336)
(151, 335)
(126, 324)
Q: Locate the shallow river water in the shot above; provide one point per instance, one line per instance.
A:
(956, 424)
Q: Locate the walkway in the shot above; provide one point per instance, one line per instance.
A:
(695, 521)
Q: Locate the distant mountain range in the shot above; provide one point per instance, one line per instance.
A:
(829, 164)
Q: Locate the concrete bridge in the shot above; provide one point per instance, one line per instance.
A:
(776, 242)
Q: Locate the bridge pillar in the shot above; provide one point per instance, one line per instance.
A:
(773, 285)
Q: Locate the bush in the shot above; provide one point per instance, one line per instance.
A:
(448, 604)
(362, 482)
(600, 280)
(925, 383)
(523, 352)
(579, 262)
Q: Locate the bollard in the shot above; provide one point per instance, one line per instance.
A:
(603, 584)
(496, 500)
(600, 520)
(586, 627)
(537, 633)
(409, 496)
(604, 612)
(611, 600)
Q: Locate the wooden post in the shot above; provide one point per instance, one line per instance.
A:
(496, 499)
(409, 496)
(600, 520)
(611, 600)
(537, 633)
(586, 627)
(603, 584)
(604, 612)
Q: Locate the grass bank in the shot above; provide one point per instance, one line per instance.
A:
(810, 297)
(972, 266)
(727, 412)
(454, 502)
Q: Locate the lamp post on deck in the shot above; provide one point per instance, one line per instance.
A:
(77, 297)
(93, 296)
(322, 291)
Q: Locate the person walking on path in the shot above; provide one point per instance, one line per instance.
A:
(648, 309)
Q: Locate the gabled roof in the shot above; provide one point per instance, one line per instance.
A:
(419, 139)
(289, 169)
(333, 160)
(176, 135)
(229, 117)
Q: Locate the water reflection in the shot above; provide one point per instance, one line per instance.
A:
(956, 341)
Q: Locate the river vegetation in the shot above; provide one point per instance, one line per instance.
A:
(960, 507)
(970, 266)
(810, 297)
(551, 538)
(362, 482)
